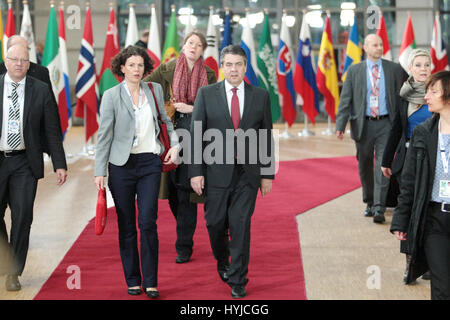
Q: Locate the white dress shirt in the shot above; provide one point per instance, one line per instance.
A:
(7, 103)
(145, 131)
(240, 93)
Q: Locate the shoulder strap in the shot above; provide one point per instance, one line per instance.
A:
(150, 85)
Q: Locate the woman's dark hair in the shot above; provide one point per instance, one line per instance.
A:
(444, 78)
(121, 59)
(198, 34)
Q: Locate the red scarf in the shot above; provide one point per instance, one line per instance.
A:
(185, 84)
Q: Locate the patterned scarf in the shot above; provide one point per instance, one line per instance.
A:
(185, 84)
(414, 93)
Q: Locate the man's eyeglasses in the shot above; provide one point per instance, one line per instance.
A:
(15, 60)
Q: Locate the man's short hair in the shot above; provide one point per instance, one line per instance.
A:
(233, 49)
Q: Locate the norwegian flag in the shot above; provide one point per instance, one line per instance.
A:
(438, 52)
(86, 86)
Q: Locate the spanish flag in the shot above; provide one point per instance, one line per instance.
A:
(326, 76)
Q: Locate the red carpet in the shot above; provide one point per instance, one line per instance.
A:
(275, 270)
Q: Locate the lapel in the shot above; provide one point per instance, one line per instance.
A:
(363, 81)
(2, 81)
(27, 100)
(151, 100)
(388, 83)
(248, 97)
(126, 99)
(224, 102)
(432, 145)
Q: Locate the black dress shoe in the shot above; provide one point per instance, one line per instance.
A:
(238, 292)
(134, 292)
(378, 217)
(12, 283)
(223, 272)
(182, 258)
(152, 294)
(368, 212)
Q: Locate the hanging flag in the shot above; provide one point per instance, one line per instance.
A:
(304, 75)
(10, 29)
(382, 33)
(64, 62)
(212, 50)
(107, 78)
(326, 77)
(226, 38)
(51, 59)
(171, 48)
(354, 51)
(2, 44)
(189, 27)
(438, 52)
(285, 64)
(248, 44)
(154, 44)
(86, 83)
(267, 76)
(408, 44)
(26, 31)
(132, 31)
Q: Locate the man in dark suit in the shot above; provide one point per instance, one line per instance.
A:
(26, 110)
(231, 175)
(368, 99)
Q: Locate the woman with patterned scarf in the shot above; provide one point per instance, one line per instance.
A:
(180, 80)
(412, 110)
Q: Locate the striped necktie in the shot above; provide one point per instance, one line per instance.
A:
(375, 91)
(13, 138)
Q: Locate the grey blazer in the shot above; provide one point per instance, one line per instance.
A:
(117, 126)
(352, 103)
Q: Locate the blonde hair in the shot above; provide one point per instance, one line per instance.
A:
(417, 53)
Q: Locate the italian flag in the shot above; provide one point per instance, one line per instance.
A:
(408, 44)
(107, 78)
(51, 58)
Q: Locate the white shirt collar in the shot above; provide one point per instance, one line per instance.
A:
(9, 80)
(228, 86)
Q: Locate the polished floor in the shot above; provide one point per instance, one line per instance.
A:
(345, 256)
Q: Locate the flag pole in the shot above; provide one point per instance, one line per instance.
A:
(328, 132)
(306, 132)
(286, 134)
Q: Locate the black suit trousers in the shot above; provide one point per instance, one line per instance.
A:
(437, 251)
(18, 190)
(231, 208)
(138, 178)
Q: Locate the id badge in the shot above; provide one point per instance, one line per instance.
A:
(373, 102)
(13, 126)
(444, 188)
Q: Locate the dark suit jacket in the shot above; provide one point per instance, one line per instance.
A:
(41, 73)
(40, 115)
(211, 109)
(352, 103)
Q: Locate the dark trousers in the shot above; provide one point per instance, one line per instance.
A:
(138, 178)
(18, 190)
(437, 251)
(231, 208)
(185, 213)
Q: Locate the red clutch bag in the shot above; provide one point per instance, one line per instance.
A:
(101, 212)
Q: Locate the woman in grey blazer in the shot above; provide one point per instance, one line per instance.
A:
(128, 146)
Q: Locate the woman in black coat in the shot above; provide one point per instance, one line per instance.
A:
(412, 111)
(422, 216)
